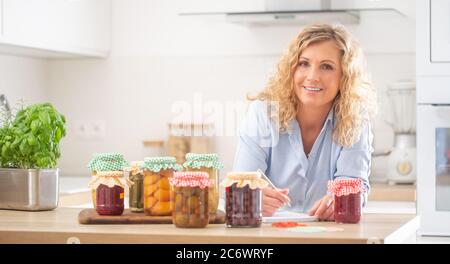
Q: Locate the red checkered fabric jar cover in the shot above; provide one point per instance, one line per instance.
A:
(190, 179)
(341, 187)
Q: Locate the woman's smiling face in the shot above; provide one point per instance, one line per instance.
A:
(318, 74)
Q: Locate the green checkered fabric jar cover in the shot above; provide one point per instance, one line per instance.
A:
(197, 160)
(107, 162)
(156, 164)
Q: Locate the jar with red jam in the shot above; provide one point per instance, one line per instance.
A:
(243, 199)
(190, 190)
(347, 199)
(109, 183)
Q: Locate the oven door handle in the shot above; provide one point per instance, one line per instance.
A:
(440, 105)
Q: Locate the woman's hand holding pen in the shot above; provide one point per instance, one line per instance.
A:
(323, 208)
(273, 199)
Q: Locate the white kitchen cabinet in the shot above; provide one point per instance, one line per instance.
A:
(1, 18)
(433, 48)
(56, 28)
(440, 30)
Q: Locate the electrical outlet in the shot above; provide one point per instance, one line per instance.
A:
(81, 128)
(90, 129)
(98, 128)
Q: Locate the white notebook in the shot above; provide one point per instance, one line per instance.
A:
(289, 216)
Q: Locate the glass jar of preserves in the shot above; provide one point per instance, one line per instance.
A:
(210, 164)
(94, 191)
(190, 190)
(243, 199)
(347, 199)
(158, 200)
(110, 198)
(108, 183)
(136, 195)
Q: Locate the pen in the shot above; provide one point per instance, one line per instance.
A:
(272, 185)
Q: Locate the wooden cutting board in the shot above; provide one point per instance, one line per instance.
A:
(90, 217)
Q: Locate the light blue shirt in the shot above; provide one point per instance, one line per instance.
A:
(281, 156)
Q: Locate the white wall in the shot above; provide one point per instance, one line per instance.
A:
(158, 58)
(24, 79)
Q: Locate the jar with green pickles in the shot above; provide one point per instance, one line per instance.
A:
(158, 200)
(136, 195)
(108, 183)
(190, 190)
(210, 164)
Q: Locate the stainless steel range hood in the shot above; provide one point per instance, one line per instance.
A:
(293, 17)
(298, 12)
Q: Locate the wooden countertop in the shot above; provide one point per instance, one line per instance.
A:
(387, 192)
(61, 226)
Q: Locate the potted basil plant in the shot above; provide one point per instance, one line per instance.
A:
(29, 150)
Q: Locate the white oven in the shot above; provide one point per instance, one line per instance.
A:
(433, 169)
(433, 116)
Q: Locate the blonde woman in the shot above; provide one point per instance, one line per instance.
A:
(311, 123)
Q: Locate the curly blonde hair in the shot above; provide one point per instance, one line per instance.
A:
(356, 99)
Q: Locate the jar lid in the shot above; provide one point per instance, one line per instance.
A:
(107, 162)
(197, 160)
(156, 164)
(345, 186)
(190, 179)
(253, 179)
(110, 179)
(135, 167)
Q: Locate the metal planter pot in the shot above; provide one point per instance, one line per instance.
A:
(29, 189)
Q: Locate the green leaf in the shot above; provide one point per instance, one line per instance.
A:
(23, 146)
(4, 149)
(58, 135)
(34, 125)
(44, 117)
(31, 140)
(15, 142)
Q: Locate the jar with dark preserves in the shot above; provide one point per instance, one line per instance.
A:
(210, 164)
(109, 183)
(136, 195)
(110, 199)
(347, 199)
(158, 200)
(243, 199)
(190, 190)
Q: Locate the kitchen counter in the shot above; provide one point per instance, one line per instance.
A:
(61, 226)
(397, 192)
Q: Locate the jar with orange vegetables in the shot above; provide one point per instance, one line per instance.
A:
(158, 200)
(210, 164)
